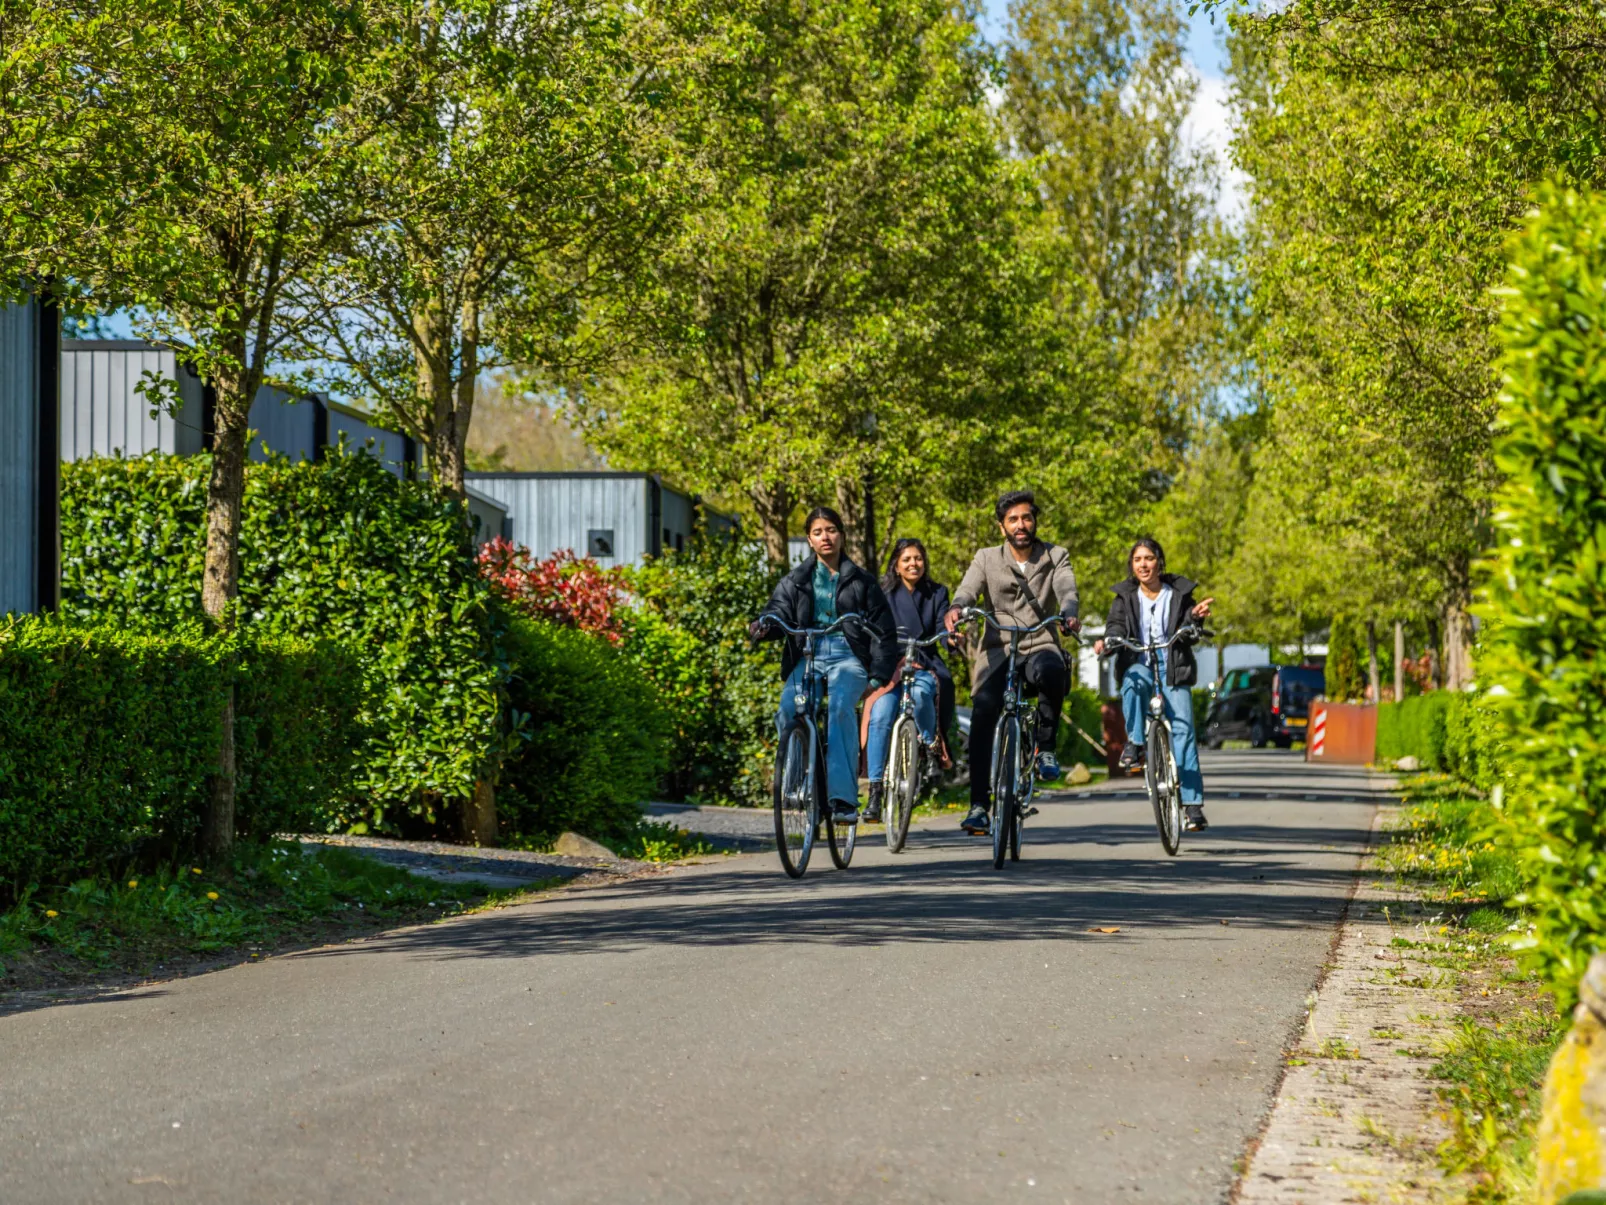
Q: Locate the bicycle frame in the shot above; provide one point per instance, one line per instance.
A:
(1160, 769)
(1009, 815)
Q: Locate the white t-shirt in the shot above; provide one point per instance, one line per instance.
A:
(1152, 614)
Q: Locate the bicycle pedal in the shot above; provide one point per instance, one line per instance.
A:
(1028, 813)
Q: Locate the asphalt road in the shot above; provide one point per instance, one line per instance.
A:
(919, 1028)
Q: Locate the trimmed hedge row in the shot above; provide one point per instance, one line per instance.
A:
(1543, 654)
(1452, 733)
(596, 735)
(340, 551)
(107, 736)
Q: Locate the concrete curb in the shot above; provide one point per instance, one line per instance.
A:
(1355, 1118)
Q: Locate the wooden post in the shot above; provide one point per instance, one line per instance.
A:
(1371, 661)
(1399, 660)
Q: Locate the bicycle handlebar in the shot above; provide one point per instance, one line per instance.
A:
(978, 613)
(791, 631)
(1187, 629)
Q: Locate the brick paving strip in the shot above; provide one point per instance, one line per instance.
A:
(1356, 1118)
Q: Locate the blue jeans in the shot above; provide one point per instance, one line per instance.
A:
(845, 680)
(885, 713)
(1136, 687)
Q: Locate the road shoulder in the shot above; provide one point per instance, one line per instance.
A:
(1355, 1117)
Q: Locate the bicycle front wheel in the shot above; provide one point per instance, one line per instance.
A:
(1006, 756)
(1025, 790)
(794, 801)
(1160, 780)
(903, 783)
(1174, 793)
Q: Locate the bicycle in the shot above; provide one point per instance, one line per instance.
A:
(800, 802)
(1160, 760)
(1014, 768)
(910, 762)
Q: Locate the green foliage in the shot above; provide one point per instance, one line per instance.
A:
(340, 551)
(1345, 671)
(1415, 727)
(598, 734)
(1083, 709)
(108, 736)
(1544, 658)
(688, 634)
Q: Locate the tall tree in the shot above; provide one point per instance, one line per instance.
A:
(213, 154)
(1392, 147)
(514, 179)
(831, 282)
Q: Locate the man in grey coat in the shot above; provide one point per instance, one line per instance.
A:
(1024, 581)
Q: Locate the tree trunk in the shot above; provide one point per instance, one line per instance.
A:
(220, 583)
(774, 507)
(856, 503)
(1221, 661)
(1399, 660)
(1435, 666)
(479, 814)
(1372, 681)
(1457, 647)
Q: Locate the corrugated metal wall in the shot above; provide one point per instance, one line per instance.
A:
(19, 456)
(676, 519)
(285, 425)
(101, 415)
(551, 512)
(362, 435)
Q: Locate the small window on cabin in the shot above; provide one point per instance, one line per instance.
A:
(599, 543)
(668, 540)
(680, 543)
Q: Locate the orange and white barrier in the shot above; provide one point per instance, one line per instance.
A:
(1343, 733)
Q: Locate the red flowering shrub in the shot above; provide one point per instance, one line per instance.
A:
(563, 589)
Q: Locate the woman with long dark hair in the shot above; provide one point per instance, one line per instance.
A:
(918, 605)
(1150, 605)
(827, 585)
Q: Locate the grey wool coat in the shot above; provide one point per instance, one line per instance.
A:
(992, 583)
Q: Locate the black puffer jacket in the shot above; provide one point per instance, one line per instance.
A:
(857, 593)
(1126, 620)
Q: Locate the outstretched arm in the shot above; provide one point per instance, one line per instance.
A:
(971, 587)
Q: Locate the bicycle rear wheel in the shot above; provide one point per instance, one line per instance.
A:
(839, 838)
(1159, 781)
(1006, 755)
(903, 782)
(795, 810)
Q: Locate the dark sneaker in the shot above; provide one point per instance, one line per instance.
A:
(1131, 759)
(1193, 818)
(872, 811)
(843, 812)
(1048, 767)
(976, 824)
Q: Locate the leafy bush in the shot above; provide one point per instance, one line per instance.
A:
(1414, 727)
(597, 735)
(688, 633)
(107, 737)
(341, 550)
(1544, 656)
(562, 589)
(1083, 709)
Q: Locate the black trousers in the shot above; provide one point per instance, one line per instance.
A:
(1043, 674)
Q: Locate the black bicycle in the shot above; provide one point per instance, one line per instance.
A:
(1014, 769)
(911, 763)
(800, 782)
(1159, 760)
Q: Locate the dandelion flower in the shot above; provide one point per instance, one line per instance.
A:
(195, 870)
(133, 882)
(211, 895)
(52, 913)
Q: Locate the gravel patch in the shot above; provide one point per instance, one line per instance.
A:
(748, 830)
(471, 864)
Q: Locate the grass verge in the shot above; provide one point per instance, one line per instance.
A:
(1445, 845)
(271, 897)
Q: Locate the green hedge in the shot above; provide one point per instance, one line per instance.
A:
(1452, 733)
(341, 551)
(687, 631)
(107, 736)
(1543, 654)
(597, 735)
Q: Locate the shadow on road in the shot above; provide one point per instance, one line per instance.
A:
(1241, 875)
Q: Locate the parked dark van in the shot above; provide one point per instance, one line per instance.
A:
(1268, 703)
